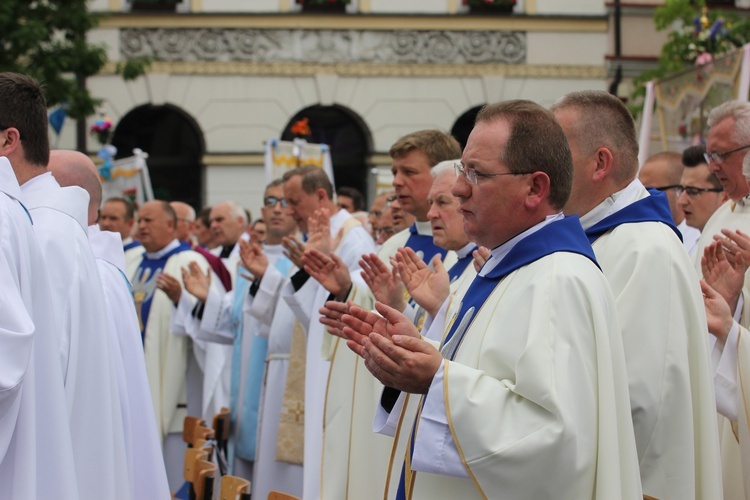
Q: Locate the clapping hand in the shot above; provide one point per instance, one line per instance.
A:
(718, 314)
(385, 283)
(392, 348)
(481, 255)
(428, 288)
(330, 316)
(197, 283)
(170, 286)
(722, 275)
(293, 249)
(331, 272)
(253, 259)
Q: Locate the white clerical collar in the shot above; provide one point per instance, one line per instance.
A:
(8, 180)
(127, 241)
(424, 228)
(337, 221)
(164, 251)
(613, 204)
(743, 202)
(40, 182)
(273, 249)
(466, 250)
(499, 253)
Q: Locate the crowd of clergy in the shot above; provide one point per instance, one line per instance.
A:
(536, 316)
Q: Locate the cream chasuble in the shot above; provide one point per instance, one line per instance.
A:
(665, 337)
(534, 392)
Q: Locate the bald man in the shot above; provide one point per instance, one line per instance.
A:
(663, 172)
(146, 472)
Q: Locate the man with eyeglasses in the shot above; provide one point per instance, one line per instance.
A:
(727, 145)
(663, 172)
(221, 319)
(700, 193)
(499, 415)
(658, 299)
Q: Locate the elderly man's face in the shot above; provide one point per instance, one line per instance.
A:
(493, 208)
(446, 221)
(729, 168)
(226, 227)
(155, 227)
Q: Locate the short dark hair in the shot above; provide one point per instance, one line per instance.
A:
(204, 215)
(129, 206)
(436, 145)
(693, 156)
(313, 178)
(604, 121)
(536, 143)
(357, 199)
(23, 106)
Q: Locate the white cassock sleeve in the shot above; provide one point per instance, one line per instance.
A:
(263, 305)
(725, 376)
(16, 341)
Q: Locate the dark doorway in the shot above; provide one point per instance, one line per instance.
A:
(175, 147)
(347, 136)
(464, 125)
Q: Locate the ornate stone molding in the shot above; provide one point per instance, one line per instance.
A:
(377, 70)
(275, 46)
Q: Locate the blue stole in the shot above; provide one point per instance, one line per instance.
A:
(423, 243)
(130, 245)
(458, 268)
(654, 208)
(144, 283)
(565, 235)
(245, 435)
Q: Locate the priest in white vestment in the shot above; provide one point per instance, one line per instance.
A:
(145, 463)
(658, 299)
(308, 193)
(35, 443)
(174, 375)
(527, 396)
(85, 352)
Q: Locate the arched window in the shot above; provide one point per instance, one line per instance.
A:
(347, 136)
(463, 126)
(175, 148)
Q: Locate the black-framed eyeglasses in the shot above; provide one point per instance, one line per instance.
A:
(473, 176)
(719, 158)
(695, 191)
(271, 201)
(665, 188)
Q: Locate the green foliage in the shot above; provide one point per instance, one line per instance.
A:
(47, 40)
(720, 32)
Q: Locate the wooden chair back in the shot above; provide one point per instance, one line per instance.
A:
(192, 455)
(205, 475)
(188, 428)
(649, 497)
(221, 424)
(232, 487)
(277, 495)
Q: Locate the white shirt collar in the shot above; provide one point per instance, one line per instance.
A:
(465, 250)
(424, 228)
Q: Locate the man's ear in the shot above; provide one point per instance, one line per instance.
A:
(538, 189)
(604, 163)
(12, 141)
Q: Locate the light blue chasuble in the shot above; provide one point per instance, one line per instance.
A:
(246, 430)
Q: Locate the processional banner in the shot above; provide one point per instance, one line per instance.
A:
(684, 100)
(128, 178)
(282, 156)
